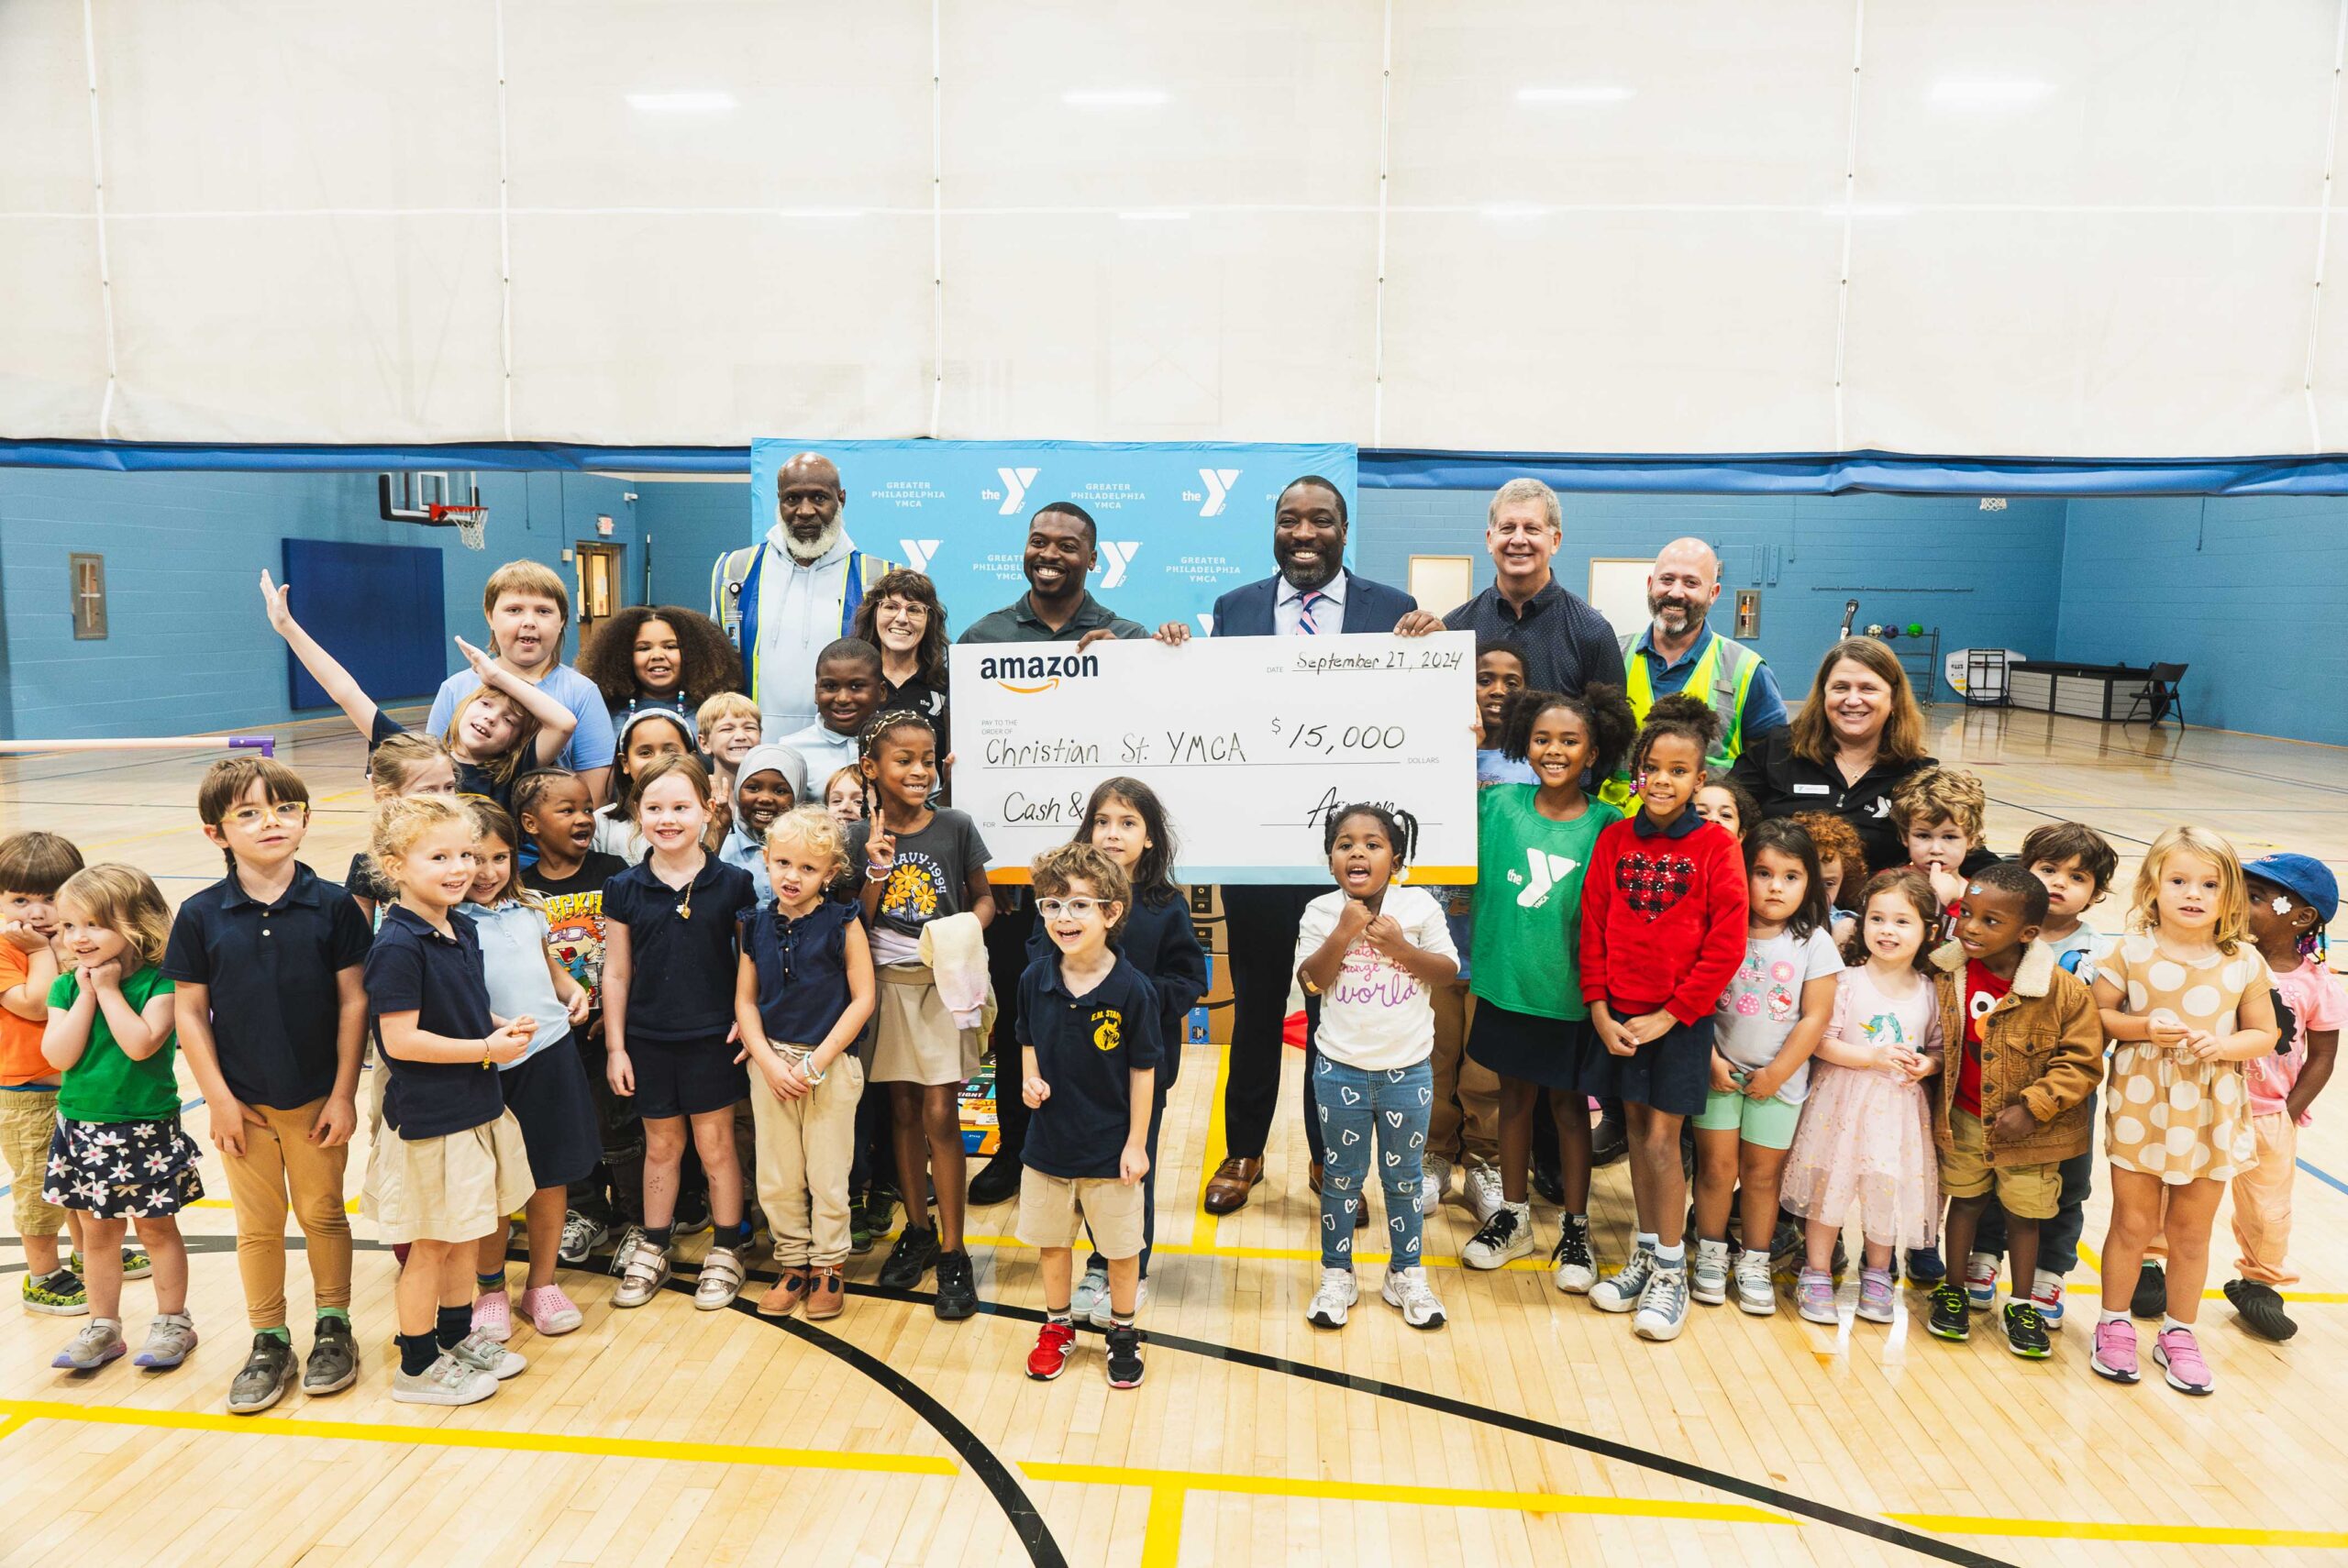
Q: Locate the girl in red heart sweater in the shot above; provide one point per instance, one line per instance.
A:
(1663, 918)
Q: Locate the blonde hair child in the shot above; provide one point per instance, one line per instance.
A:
(119, 1156)
(2187, 999)
(451, 1163)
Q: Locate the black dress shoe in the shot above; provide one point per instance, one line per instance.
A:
(997, 1181)
(1608, 1143)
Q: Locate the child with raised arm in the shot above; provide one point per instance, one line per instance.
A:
(801, 995)
(118, 1154)
(505, 727)
(268, 968)
(449, 1164)
(1089, 1053)
(33, 866)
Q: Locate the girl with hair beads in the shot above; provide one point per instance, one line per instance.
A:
(506, 727)
(453, 1163)
(1765, 1029)
(2187, 1001)
(1663, 923)
(647, 735)
(1372, 951)
(670, 926)
(119, 1156)
(802, 996)
(544, 1088)
(1866, 1138)
(920, 867)
(1532, 1027)
(1126, 820)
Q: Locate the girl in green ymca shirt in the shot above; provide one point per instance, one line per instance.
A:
(1531, 1026)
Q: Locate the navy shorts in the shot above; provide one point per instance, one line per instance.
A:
(1551, 1051)
(686, 1078)
(548, 1094)
(1672, 1075)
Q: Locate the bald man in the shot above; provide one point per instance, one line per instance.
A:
(784, 599)
(1681, 652)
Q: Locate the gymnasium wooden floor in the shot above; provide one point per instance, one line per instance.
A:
(1531, 1428)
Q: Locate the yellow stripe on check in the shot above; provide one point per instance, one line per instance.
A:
(2088, 1530)
(17, 1411)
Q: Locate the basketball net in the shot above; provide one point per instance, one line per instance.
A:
(471, 522)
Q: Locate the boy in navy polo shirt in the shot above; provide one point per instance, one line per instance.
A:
(271, 1010)
(1088, 1026)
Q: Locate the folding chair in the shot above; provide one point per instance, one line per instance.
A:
(2160, 694)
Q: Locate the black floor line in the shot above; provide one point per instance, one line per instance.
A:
(2057, 816)
(1026, 1521)
(1679, 1469)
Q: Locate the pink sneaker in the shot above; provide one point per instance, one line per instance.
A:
(550, 1311)
(2115, 1351)
(493, 1315)
(2180, 1354)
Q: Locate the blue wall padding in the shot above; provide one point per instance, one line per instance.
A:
(378, 608)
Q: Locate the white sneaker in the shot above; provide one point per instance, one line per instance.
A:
(1980, 1281)
(1092, 1295)
(1103, 1314)
(2046, 1295)
(1484, 1195)
(1707, 1278)
(1571, 1267)
(1507, 1234)
(1435, 1183)
(484, 1354)
(447, 1381)
(1407, 1289)
(1334, 1299)
(1663, 1304)
(1620, 1292)
(1756, 1292)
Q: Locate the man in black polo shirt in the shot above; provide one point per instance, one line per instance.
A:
(272, 1012)
(1061, 551)
(1566, 644)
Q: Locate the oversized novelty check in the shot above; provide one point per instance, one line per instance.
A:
(1251, 743)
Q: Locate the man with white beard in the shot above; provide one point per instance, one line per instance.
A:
(784, 599)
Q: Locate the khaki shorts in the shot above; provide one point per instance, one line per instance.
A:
(27, 1117)
(1048, 1206)
(2026, 1192)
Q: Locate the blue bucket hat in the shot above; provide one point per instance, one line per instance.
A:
(2303, 875)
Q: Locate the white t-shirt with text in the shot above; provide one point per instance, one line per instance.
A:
(1377, 1016)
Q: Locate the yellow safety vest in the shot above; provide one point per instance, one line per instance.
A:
(1724, 671)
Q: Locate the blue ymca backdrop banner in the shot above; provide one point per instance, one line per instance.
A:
(1181, 522)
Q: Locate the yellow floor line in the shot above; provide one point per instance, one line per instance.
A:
(1383, 1492)
(2085, 1529)
(21, 1410)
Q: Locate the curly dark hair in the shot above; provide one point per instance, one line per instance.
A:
(707, 661)
(1689, 718)
(1603, 713)
(929, 658)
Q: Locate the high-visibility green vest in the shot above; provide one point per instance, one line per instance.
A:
(1723, 673)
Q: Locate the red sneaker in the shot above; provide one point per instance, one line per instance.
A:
(1049, 1358)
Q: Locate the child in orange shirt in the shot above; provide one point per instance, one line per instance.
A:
(33, 866)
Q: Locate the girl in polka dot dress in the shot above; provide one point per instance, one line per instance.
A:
(2187, 999)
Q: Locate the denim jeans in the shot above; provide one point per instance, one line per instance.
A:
(2058, 1239)
(1354, 1107)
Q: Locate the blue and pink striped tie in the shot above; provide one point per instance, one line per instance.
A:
(1305, 625)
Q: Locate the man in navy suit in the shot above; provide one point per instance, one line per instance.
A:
(1311, 595)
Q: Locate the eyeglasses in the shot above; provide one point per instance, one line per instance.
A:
(1075, 909)
(283, 812)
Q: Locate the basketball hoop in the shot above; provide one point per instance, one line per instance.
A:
(471, 524)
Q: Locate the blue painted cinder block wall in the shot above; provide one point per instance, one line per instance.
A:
(2250, 593)
(188, 649)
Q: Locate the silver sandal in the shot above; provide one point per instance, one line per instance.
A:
(721, 1280)
(646, 1270)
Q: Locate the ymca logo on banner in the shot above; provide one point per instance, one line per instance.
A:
(1219, 483)
(1116, 556)
(919, 553)
(1014, 488)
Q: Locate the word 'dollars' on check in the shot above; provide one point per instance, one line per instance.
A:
(1251, 742)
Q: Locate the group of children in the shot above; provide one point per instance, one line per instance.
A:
(712, 970)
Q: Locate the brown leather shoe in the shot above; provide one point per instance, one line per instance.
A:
(1232, 1180)
(787, 1294)
(825, 1294)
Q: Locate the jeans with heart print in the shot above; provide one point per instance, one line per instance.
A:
(1365, 1111)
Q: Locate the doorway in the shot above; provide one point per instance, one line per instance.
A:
(598, 586)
